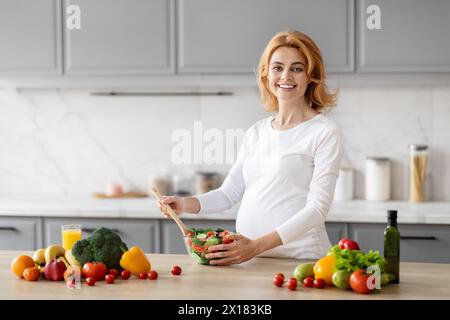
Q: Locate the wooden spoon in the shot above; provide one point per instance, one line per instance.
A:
(184, 228)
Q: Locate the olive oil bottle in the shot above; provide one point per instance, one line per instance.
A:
(392, 246)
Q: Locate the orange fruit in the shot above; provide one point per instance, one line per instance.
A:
(323, 269)
(20, 263)
(32, 274)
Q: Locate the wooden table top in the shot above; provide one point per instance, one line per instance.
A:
(251, 280)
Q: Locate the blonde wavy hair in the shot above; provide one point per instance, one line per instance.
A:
(317, 94)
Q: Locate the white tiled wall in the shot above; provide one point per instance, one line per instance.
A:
(66, 142)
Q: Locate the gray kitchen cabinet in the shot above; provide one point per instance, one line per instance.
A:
(215, 36)
(134, 232)
(121, 37)
(30, 34)
(413, 36)
(425, 243)
(368, 235)
(418, 243)
(336, 231)
(17, 233)
(172, 239)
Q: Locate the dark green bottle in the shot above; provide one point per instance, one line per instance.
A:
(392, 246)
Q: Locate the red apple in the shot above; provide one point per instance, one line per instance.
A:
(54, 270)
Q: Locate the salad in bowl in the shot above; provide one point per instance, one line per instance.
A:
(198, 241)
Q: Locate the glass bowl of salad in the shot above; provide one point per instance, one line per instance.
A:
(198, 241)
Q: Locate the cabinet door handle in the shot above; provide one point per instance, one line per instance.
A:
(8, 228)
(418, 238)
(90, 230)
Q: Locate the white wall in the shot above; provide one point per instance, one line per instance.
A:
(66, 142)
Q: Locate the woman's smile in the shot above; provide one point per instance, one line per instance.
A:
(287, 75)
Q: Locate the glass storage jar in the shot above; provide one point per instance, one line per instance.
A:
(418, 173)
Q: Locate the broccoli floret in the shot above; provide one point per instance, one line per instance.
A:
(102, 246)
(82, 251)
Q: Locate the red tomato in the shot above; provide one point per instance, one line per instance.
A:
(125, 274)
(210, 234)
(359, 281)
(223, 233)
(143, 275)
(292, 284)
(198, 248)
(226, 240)
(319, 283)
(176, 270)
(279, 274)
(348, 244)
(278, 281)
(96, 270)
(90, 281)
(308, 282)
(153, 275)
(109, 278)
(114, 272)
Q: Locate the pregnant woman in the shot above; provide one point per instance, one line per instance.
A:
(287, 166)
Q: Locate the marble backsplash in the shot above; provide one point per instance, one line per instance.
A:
(67, 142)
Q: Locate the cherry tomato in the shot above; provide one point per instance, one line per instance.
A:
(143, 275)
(292, 284)
(90, 281)
(176, 270)
(278, 281)
(153, 275)
(319, 283)
(109, 278)
(308, 282)
(210, 234)
(223, 233)
(359, 282)
(125, 274)
(114, 272)
(281, 275)
(226, 240)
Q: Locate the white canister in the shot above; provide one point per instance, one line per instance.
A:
(378, 179)
(344, 185)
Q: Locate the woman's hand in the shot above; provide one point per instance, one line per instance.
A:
(240, 250)
(175, 203)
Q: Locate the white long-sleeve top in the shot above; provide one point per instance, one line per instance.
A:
(285, 180)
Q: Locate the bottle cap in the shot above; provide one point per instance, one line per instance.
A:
(392, 214)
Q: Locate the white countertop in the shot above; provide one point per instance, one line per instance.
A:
(145, 208)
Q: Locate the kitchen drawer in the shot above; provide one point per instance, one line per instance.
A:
(418, 243)
(172, 239)
(336, 231)
(134, 232)
(425, 243)
(20, 233)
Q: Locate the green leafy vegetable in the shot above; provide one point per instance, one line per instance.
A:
(352, 260)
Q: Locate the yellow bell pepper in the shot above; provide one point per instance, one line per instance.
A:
(323, 269)
(135, 261)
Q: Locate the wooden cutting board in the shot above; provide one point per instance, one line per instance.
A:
(121, 196)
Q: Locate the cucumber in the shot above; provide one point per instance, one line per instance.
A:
(197, 241)
(213, 241)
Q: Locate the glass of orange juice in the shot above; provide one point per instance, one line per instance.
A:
(71, 233)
